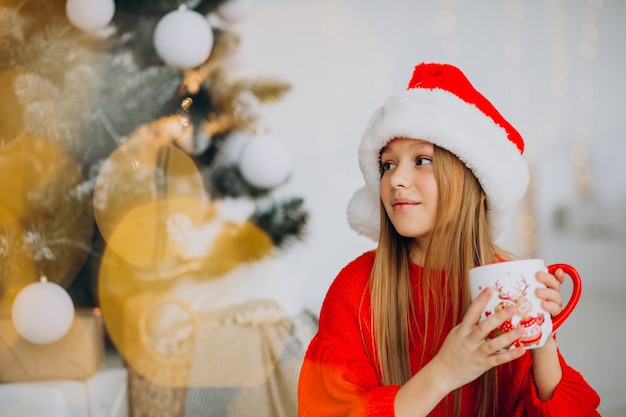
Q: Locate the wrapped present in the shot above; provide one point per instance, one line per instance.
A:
(105, 394)
(77, 355)
(244, 360)
(44, 399)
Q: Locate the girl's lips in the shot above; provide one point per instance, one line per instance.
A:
(400, 204)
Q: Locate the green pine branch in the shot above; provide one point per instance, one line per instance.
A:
(283, 221)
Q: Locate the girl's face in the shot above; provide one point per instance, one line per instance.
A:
(408, 188)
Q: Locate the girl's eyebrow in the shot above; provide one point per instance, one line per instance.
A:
(417, 145)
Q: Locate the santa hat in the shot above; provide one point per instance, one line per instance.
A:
(441, 106)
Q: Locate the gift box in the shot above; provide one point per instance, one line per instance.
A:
(245, 360)
(105, 394)
(77, 355)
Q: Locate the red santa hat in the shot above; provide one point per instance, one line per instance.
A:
(441, 106)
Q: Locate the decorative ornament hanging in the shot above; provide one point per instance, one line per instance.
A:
(183, 38)
(232, 148)
(192, 135)
(42, 312)
(265, 162)
(90, 15)
(234, 10)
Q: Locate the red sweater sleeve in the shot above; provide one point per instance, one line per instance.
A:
(338, 377)
(573, 397)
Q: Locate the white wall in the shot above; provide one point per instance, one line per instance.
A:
(554, 68)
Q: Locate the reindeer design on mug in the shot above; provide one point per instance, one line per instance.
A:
(531, 324)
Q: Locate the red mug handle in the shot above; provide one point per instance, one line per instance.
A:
(569, 307)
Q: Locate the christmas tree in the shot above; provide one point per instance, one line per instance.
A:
(131, 156)
(85, 95)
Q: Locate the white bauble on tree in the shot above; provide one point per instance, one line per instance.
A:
(42, 312)
(183, 38)
(233, 10)
(232, 148)
(265, 162)
(90, 15)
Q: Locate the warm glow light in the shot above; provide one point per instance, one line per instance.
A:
(528, 243)
(146, 169)
(586, 49)
(590, 32)
(578, 154)
(447, 20)
(525, 224)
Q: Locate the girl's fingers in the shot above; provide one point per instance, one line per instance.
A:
(503, 342)
(486, 326)
(478, 329)
(507, 356)
(475, 310)
(551, 281)
(549, 295)
(551, 298)
(560, 275)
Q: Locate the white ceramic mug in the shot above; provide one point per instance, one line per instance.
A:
(514, 283)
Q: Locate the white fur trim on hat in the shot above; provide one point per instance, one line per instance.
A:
(440, 117)
(363, 213)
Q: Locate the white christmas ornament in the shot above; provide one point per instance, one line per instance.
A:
(42, 312)
(183, 38)
(232, 148)
(90, 15)
(233, 10)
(265, 162)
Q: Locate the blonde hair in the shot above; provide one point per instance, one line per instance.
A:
(461, 239)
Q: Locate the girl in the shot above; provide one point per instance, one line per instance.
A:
(398, 334)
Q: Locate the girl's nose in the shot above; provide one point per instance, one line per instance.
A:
(400, 177)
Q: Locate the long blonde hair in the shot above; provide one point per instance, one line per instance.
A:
(461, 239)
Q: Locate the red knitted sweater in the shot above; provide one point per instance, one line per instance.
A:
(338, 377)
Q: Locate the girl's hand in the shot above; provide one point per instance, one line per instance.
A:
(547, 370)
(551, 298)
(467, 352)
(551, 301)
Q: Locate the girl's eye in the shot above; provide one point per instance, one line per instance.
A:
(422, 160)
(386, 166)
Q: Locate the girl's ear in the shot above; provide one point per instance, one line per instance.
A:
(483, 201)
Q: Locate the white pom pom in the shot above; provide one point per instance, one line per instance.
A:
(42, 312)
(90, 15)
(183, 38)
(364, 213)
(265, 162)
(233, 10)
